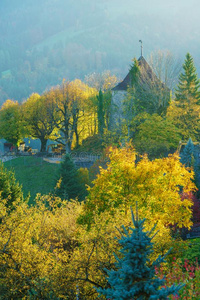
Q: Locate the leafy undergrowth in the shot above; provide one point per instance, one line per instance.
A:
(34, 174)
(183, 272)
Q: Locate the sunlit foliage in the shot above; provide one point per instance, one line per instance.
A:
(156, 185)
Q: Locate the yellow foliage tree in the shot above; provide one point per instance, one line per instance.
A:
(45, 253)
(156, 186)
(39, 118)
(71, 100)
(11, 127)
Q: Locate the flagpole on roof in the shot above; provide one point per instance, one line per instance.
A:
(141, 46)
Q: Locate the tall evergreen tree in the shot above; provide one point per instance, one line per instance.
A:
(100, 113)
(134, 275)
(185, 110)
(70, 186)
(188, 89)
(187, 156)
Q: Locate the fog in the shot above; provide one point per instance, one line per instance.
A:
(43, 42)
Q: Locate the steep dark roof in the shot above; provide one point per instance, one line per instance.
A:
(149, 75)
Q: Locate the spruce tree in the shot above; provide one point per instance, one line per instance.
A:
(187, 91)
(134, 275)
(70, 186)
(185, 109)
(187, 156)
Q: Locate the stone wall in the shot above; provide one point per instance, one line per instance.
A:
(117, 108)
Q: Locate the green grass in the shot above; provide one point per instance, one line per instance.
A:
(35, 175)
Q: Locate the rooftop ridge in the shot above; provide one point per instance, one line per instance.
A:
(125, 83)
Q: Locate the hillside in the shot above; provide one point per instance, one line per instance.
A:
(42, 42)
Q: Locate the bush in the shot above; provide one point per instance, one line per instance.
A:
(185, 272)
(9, 188)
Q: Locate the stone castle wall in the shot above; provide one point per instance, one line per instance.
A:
(117, 108)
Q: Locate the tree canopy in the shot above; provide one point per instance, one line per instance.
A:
(11, 125)
(155, 185)
(39, 118)
(188, 89)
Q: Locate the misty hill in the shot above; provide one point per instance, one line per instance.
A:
(42, 42)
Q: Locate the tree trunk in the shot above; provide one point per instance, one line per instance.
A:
(67, 142)
(75, 129)
(68, 146)
(43, 144)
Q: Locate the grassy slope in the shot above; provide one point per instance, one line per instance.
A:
(35, 175)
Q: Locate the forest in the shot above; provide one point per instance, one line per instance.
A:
(118, 230)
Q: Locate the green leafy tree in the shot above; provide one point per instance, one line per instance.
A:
(155, 135)
(134, 72)
(10, 190)
(70, 185)
(134, 274)
(146, 93)
(11, 127)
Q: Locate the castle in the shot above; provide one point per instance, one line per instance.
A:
(150, 90)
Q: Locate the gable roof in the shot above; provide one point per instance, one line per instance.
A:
(149, 75)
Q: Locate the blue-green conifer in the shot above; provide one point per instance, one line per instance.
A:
(187, 156)
(134, 274)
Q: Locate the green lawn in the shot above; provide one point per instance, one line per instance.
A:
(35, 175)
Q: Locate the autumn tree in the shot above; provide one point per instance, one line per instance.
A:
(101, 81)
(70, 100)
(166, 67)
(50, 254)
(45, 253)
(11, 127)
(25, 255)
(156, 185)
(39, 118)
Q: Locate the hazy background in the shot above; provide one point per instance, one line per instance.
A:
(44, 41)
